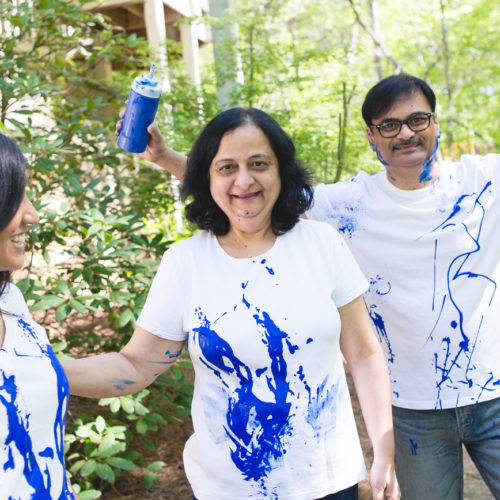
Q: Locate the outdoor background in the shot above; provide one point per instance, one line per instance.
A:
(106, 218)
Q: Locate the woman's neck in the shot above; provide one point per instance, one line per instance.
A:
(241, 245)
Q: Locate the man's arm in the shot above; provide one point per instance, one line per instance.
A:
(136, 366)
(367, 365)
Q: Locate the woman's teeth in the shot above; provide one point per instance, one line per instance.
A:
(19, 238)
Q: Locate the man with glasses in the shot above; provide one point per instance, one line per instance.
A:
(425, 233)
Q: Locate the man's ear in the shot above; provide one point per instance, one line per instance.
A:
(369, 135)
(436, 121)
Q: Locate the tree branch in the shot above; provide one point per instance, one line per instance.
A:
(376, 40)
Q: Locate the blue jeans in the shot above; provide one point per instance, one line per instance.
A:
(429, 460)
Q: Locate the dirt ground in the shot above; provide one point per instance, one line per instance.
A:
(169, 442)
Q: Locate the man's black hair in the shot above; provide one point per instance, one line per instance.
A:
(385, 93)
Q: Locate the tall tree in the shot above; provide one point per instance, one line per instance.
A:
(225, 41)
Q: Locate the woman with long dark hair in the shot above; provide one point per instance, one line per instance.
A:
(33, 387)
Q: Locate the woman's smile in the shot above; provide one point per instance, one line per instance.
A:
(244, 179)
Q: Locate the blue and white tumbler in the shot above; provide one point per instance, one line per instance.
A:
(140, 113)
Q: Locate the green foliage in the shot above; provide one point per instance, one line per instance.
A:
(104, 220)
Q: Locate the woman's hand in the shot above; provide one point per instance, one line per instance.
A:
(158, 152)
(383, 481)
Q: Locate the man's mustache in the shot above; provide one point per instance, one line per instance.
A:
(413, 141)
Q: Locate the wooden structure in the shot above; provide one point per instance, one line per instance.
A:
(155, 20)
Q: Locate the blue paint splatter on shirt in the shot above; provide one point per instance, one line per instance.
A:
(19, 437)
(459, 358)
(380, 328)
(321, 405)
(256, 428)
(347, 219)
(62, 398)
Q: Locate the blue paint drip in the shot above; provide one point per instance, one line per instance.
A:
(48, 452)
(10, 461)
(413, 446)
(291, 347)
(434, 274)
(381, 331)
(426, 172)
(456, 271)
(430, 336)
(245, 301)
(379, 156)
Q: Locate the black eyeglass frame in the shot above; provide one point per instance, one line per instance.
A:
(428, 114)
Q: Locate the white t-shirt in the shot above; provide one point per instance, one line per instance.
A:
(271, 410)
(34, 394)
(432, 257)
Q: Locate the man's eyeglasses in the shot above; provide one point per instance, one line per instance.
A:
(391, 128)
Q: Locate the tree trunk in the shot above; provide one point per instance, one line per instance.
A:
(446, 60)
(227, 63)
(375, 37)
(377, 53)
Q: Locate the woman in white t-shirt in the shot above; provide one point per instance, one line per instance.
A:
(267, 305)
(34, 390)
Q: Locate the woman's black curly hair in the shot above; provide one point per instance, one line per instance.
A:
(296, 191)
(12, 185)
